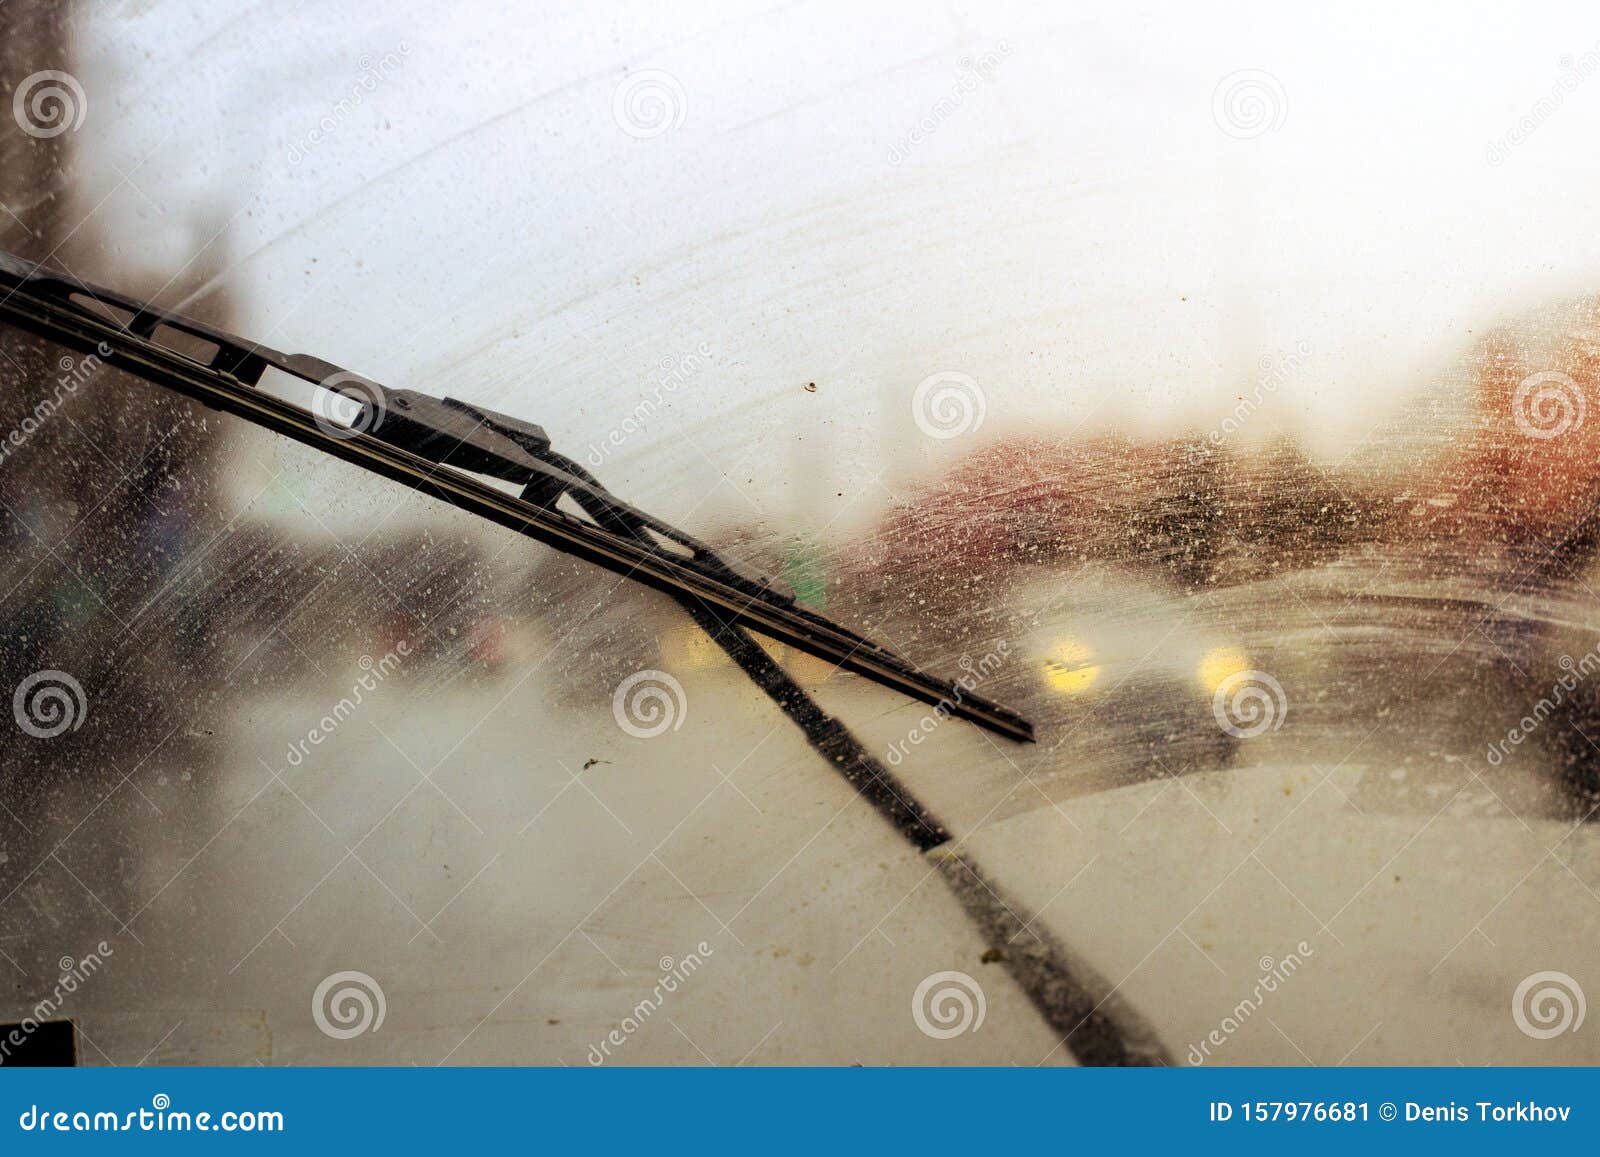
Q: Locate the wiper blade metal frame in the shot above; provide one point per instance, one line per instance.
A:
(72, 313)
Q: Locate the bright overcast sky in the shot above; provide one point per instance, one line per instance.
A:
(1091, 230)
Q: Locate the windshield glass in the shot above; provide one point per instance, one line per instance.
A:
(1265, 494)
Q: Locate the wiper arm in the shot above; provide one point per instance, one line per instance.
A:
(438, 446)
(467, 437)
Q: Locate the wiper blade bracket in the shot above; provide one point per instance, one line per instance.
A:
(440, 446)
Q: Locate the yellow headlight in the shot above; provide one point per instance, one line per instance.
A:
(1220, 664)
(689, 648)
(1070, 667)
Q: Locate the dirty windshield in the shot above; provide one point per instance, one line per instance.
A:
(1231, 433)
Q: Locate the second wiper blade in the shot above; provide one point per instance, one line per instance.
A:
(129, 334)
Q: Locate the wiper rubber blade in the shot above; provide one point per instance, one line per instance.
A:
(439, 446)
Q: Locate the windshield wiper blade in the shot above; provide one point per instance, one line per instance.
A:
(441, 446)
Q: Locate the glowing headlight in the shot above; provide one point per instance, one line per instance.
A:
(690, 648)
(1220, 664)
(1070, 668)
